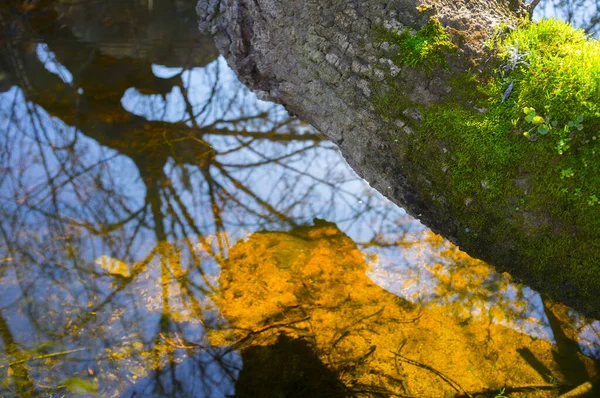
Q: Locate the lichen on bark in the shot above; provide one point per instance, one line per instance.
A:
(433, 134)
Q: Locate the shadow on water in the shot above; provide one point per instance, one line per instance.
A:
(286, 368)
(138, 180)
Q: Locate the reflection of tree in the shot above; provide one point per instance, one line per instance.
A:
(310, 284)
(469, 286)
(67, 197)
(19, 371)
(164, 180)
(469, 289)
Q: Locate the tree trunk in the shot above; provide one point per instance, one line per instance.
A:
(425, 100)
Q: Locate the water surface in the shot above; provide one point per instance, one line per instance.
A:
(165, 233)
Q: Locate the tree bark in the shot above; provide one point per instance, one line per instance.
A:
(323, 61)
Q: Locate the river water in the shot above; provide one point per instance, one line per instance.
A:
(163, 232)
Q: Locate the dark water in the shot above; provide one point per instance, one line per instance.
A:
(165, 233)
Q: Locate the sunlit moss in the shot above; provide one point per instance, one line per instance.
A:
(520, 149)
(427, 46)
(560, 71)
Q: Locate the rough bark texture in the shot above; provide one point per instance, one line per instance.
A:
(319, 58)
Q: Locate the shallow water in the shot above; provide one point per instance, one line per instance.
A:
(165, 233)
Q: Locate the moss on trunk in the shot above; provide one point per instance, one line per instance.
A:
(516, 153)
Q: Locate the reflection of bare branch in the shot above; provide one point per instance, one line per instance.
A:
(270, 160)
(180, 344)
(345, 331)
(45, 356)
(273, 325)
(207, 104)
(514, 389)
(455, 386)
(248, 192)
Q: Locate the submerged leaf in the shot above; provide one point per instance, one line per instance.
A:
(76, 385)
(113, 266)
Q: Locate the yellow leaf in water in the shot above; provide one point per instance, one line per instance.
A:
(76, 385)
(9, 372)
(137, 345)
(113, 266)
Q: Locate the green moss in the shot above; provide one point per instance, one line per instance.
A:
(427, 46)
(550, 122)
(524, 168)
(561, 75)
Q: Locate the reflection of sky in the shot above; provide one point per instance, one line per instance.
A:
(315, 183)
(48, 58)
(354, 194)
(582, 12)
(406, 274)
(590, 336)
(201, 81)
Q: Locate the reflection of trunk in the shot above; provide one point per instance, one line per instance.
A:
(400, 106)
(101, 80)
(19, 369)
(567, 349)
(287, 368)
